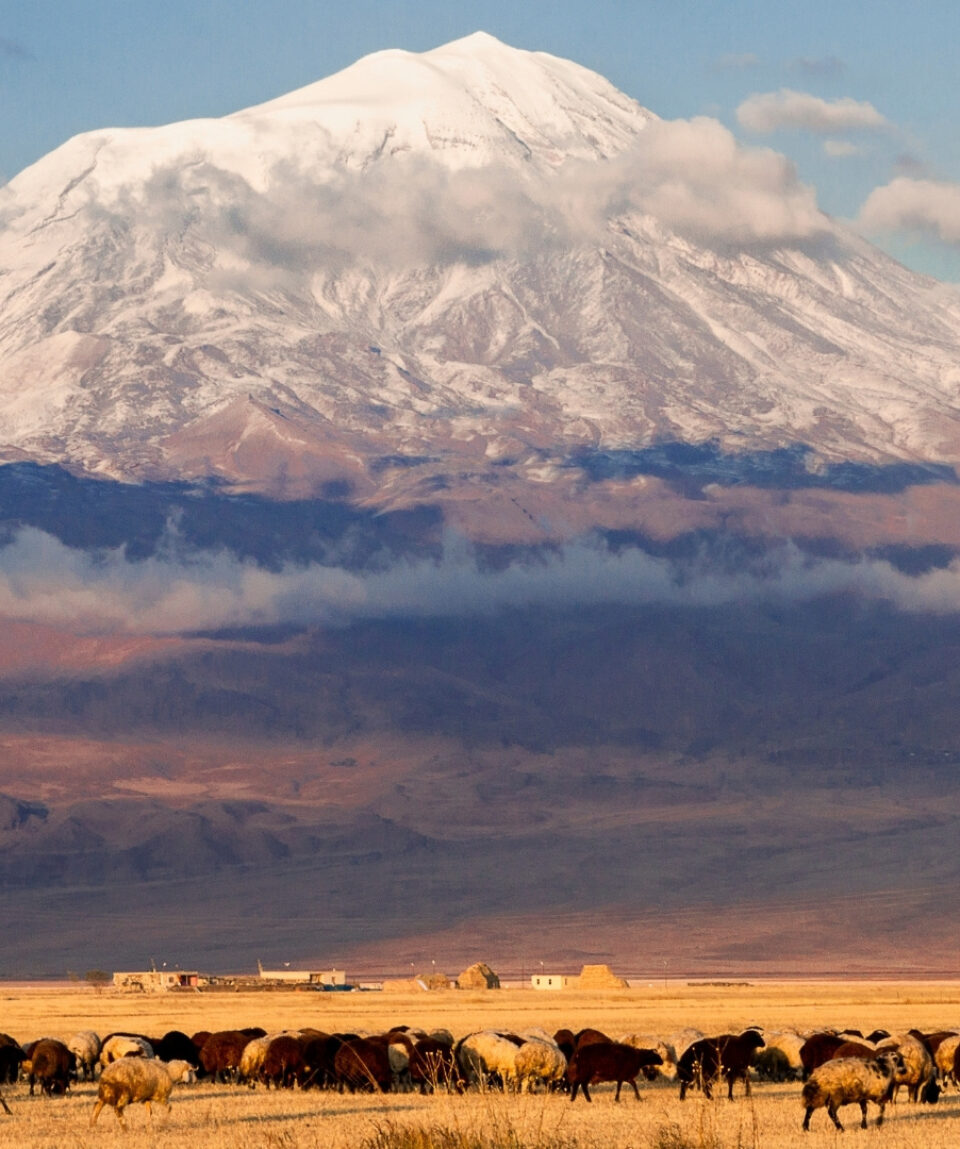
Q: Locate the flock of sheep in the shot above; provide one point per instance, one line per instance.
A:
(837, 1068)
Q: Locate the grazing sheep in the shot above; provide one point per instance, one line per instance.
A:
(773, 1065)
(919, 1068)
(432, 1064)
(539, 1063)
(319, 1051)
(363, 1064)
(728, 1056)
(85, 1047)
(789, 1043)
(221, 1053)
(608, 1061)
(139, 1079)
(851, 1081)
(251, 1060)
(486, 1057)
(283, 1064)
(50, 1063)
(176, 1046)
(118, 1045)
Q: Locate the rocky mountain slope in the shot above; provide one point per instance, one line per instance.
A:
(428, 265)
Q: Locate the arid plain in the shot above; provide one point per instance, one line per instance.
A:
(206, 1115)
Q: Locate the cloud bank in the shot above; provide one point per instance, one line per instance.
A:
(766, 112)
(931, 207)
(43, 581)
(692, 176)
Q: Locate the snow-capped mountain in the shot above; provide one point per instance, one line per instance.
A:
(429, 262)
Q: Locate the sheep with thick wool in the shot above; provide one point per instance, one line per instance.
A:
(851, 1081)
(139, 1079)
(485, 1055)
(919, 1068)
(539, 1062)
(120, 1045)
(85, 1047)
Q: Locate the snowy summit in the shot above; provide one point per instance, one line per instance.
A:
(430, 261)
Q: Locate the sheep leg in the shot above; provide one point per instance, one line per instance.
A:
(96, 1111)
(616, 1095)
(6, 1107)
(832, 1110)
(882, 1105)
(636, 1091)
(806, 1119)
(863, 1114)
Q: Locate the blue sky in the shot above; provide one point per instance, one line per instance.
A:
(73, 65)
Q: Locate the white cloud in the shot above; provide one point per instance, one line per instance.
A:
(43, 581)
(928, 206)
(695, 177)
(691, 175)
(786, 109)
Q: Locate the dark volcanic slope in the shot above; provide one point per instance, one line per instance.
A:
(779, 785)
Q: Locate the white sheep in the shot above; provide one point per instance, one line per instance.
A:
(850, 1081)
(124, 1045)
(85, 1047)
(668, 1054)
(539, 1062)
(139, 1079)
(252, 1059)
(486, 1053)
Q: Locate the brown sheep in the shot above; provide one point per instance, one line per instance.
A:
(283, 1063)
(710, 1058)
(608, 1061)
(363, 1064)
(221, 1053)
(50, 1063)
(11, 1056)
(817, 1049)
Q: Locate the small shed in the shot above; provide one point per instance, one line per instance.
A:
(478, 976)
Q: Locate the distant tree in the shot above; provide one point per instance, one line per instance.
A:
(98, 978)
(73, 975)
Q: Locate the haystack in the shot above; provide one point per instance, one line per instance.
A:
(478, 976)
(599, 977)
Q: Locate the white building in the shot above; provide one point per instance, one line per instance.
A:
(550, 981)
(303, 976)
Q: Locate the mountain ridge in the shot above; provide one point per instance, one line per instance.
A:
(622, 282)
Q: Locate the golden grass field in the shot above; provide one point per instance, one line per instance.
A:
(210, 1116)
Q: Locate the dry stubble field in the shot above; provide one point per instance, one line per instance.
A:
(214, 1115)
